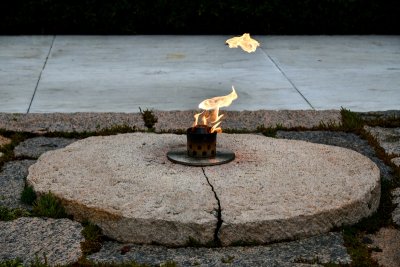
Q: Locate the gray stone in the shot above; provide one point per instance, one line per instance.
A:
(34, 147)
(396, 161)
(1, 154)
(327, 248)
(275, 189)
(27, 238)
(12, 182)
(341, 139)
(68, 122)
(167, 120)
(388, 138)
(380, 115)
(250, 120)
(396, 201)
(388, 240)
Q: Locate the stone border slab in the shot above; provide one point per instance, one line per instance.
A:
(167, 120)
(35, 238)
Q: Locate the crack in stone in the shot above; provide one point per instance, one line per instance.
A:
(217, 242)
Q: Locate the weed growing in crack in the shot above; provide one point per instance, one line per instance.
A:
(269, 131)
(12, 263)
(48, 205)
(7, 214)
(93, 238)
(149, 119)
(28, 195)
(351, 121)
(8, 149)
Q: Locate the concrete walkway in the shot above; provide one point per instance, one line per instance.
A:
(122, 73)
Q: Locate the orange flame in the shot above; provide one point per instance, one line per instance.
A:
(245, 42)
(210, 115)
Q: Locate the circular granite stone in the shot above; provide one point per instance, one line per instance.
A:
(274, 189)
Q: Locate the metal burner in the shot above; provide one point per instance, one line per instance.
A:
(201, 149)
(182, 157)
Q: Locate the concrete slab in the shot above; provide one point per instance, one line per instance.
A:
(357, 72)
(21, 61)
(123, 73)
(274, 189)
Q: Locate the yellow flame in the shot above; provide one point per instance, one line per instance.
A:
(210, 114)
(247, 43)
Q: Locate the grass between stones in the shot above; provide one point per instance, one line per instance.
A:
(48, 205)
(93, 238)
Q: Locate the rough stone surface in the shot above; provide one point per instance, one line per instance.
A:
(396, 201)
(275, 189)
(284, 189)
(35, 147)
(12, 182)
(396, 161)
(380, 115)
(67, 122)
(167, 120)
(388, 240)
(250, 120)
(326, 248)
(126, 185)
(4, 141)
(388, 138)
(28, 238)
(341, 139)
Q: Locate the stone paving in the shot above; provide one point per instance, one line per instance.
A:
(325, 248)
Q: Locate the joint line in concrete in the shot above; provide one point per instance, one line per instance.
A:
(219, 211)
(287, 78)
(40, 74)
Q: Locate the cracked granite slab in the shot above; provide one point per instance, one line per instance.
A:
(126, 185)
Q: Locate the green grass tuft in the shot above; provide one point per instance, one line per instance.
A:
(269, 131)
(48, 205)
(7, 214)
(12, 263)
(93, 238)
(28, 195)
(351, 121)
(149, 118)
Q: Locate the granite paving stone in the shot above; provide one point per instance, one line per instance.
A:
(12, 182)
(167, 120)
(379, 115)
(388, 138)
(388, 241)
(347, 140)
(396, 201)
(325, 248)
(34, 147)
(29, 238)
(396, 161)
